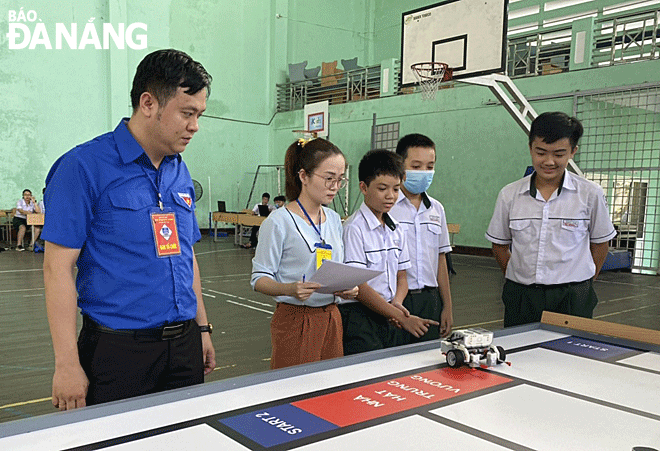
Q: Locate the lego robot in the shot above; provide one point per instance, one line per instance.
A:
(472, 347)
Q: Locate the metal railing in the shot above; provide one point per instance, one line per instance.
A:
(627, 38)
(340, 87)
(539, 53)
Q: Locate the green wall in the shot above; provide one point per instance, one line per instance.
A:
(55, 99)
(479, 146)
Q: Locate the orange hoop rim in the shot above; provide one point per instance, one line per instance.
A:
(430, 70)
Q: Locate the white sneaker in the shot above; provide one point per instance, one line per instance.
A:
(20, 248)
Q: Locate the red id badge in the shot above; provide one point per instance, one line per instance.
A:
(166, 237)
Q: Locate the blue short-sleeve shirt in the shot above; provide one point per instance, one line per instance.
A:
(100, 197)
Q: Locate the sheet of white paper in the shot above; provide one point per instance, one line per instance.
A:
(336, 276)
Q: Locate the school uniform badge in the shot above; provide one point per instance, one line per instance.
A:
(186, 198)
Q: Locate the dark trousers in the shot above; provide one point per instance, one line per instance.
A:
(364, 329)
(525, 303)
(425, 303)
(253, 236)
(123, 366)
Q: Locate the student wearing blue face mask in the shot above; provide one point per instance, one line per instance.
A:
(423, 220)
(279, 201)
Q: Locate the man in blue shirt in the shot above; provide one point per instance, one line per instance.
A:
(120, 208)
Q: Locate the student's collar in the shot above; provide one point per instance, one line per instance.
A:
(372, 220)
(389, 222)
(425, 199)
(566, 182)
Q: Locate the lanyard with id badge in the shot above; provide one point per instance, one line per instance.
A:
(323, 250)
(163, 224)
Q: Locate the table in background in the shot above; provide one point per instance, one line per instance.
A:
(35, 219)
(240, 220)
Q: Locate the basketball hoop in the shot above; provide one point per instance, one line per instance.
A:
(429, 76)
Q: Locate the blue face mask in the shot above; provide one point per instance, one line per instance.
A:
(418, 181)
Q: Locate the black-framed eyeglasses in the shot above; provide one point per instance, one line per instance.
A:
(330, 182)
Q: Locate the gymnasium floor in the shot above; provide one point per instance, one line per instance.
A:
(241, 316)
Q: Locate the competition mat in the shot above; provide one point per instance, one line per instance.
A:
(564, 391)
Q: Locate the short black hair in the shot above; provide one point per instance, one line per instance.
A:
(265, 195)
(380, 162)
(553, 126)
(279, 199)
(162, 72)
(413, 140)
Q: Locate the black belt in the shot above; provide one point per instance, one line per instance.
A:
(557, 285)
(422, 290)
(166, 332)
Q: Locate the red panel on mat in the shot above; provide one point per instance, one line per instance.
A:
(397, 395)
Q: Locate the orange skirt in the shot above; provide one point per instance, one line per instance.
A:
(301, 334)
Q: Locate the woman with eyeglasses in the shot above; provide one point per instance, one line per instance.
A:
(294, 241)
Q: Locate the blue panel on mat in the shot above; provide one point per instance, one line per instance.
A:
(277, 425)
(586, 348)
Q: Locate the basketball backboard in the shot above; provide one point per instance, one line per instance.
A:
(317, 118)
(469, 35)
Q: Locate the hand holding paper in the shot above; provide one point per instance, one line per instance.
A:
(335, 276)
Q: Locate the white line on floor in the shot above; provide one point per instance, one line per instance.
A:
(241, 298)
(627, 311)
(223, 367)
(21, 270)
(219, 250)
(220, 292)
(225, 275)
(477, 324)
(22, 289)
(626, 283)
(250, 307)
(624, 298)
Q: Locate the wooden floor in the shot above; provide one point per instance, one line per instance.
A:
(241, 316)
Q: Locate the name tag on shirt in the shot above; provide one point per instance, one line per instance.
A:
(323, 252)
(166, 237)
(434, 218)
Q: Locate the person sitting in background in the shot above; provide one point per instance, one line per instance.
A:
(41, 204)
(279, 201)
(38, 244)
(265, 198)
(26, 205)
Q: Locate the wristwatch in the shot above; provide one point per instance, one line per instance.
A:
(207, 328)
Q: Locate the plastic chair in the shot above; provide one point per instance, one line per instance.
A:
(298, 86)
(329, 74)
(297, 72)
(313, 72)
(351, 64)
(5, 226)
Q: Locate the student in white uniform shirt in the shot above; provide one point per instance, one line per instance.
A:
(422, 218)
(306, 326)
(265, 198)
(373, 240)
(550, 230)
(27, 204)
